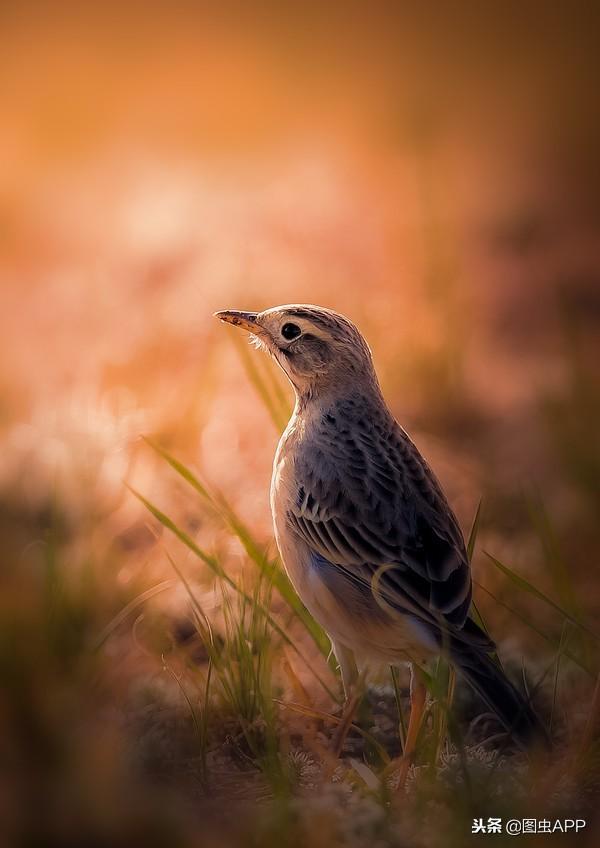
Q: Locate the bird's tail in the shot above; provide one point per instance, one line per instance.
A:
(494, 687)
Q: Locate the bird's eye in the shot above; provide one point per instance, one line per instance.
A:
(290, 331)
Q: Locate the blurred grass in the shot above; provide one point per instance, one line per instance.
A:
(237, 715)
(441, 734)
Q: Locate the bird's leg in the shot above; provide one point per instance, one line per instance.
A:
(352, 694)
(418, 697)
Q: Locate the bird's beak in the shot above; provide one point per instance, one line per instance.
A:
(245, 320)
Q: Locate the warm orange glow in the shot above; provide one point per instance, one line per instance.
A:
(432, 175)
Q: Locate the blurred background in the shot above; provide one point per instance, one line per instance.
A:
(430, 170)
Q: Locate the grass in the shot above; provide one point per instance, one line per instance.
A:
(229, 715)
(254, 658)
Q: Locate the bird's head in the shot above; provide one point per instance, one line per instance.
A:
(319, 349)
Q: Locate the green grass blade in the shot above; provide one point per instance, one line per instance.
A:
(215, 566)
(527, 621)
(202, 621)
(560, 652)
(556, 564)
(278, 418)
(474, 531)
(525, 586)
(475, 612)
(180, 468)
(182, 689)
(272, 373)
(167, 522)
(401, 719)
(478, 618)
(130, 607)
(268, 567)
(271, 569)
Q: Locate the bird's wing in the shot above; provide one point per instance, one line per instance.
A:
(368, 503)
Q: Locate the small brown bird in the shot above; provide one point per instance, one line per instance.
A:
(364, 530)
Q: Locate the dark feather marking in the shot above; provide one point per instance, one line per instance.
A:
(379, 504)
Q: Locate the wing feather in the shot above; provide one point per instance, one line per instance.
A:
(380, 511)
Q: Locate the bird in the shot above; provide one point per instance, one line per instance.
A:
(364, 530)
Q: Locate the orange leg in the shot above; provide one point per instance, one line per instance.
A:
(347, 717)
